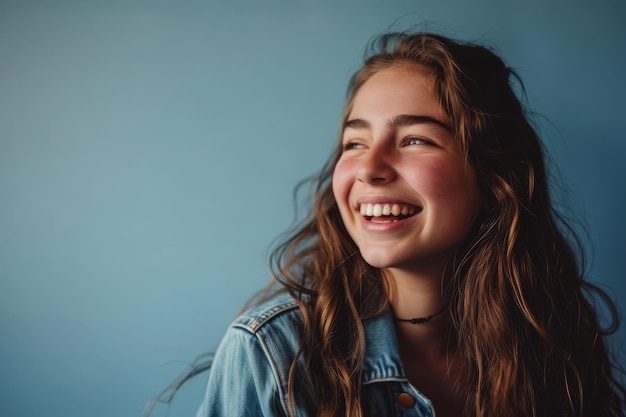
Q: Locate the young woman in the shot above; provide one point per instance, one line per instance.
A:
(434, 275)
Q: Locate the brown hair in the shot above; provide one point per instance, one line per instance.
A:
(521, 312)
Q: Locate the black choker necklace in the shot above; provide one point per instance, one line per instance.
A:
(420, 320)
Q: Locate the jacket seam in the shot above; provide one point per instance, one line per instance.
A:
(385, 379)
(253, 323)
(275, 368)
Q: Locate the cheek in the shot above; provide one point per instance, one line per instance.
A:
(453, 185)
(432, 178)
(461, 196)
(341, 182)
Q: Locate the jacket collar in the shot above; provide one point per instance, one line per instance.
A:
(382, 356)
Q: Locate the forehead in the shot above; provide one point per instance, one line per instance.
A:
(398, 89)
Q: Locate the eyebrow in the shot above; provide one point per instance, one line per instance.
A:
(398, 121)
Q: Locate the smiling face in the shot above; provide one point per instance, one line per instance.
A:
(405, 191)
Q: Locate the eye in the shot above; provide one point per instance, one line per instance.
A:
(352, 145)
(416, 141)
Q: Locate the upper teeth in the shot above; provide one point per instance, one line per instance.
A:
(376, 210)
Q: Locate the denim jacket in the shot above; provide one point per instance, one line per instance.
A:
(251, 367)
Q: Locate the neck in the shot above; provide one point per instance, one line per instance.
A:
(412, 295)
(420, 320)
(417, 296)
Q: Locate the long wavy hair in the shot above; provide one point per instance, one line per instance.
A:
(522, 315)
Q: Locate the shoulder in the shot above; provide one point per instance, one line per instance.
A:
(272, 313)
(253, 361)
(269, 333)
(275, 327)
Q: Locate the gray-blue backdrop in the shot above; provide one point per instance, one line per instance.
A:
(149, 148)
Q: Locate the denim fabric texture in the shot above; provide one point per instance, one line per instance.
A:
(251, 368)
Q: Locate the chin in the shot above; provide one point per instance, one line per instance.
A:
(379, 260)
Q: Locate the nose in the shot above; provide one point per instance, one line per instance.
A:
(376, 167)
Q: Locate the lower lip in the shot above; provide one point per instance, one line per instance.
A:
(386, 227)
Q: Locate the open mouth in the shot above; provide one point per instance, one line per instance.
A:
(388, 212)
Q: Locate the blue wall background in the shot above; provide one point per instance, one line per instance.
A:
(148, 152)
